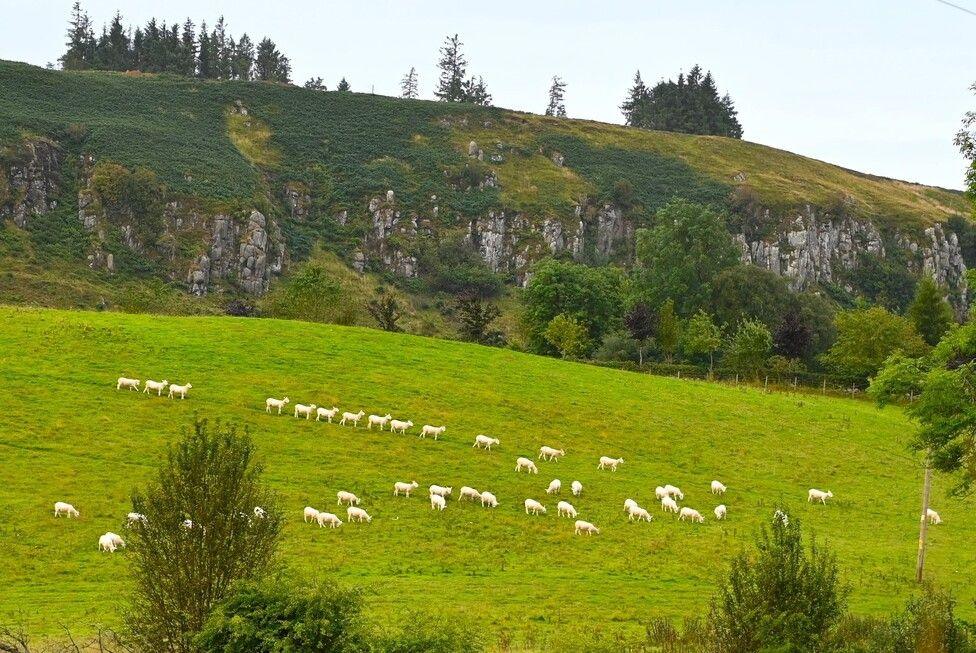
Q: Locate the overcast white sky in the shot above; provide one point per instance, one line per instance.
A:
(874, 85)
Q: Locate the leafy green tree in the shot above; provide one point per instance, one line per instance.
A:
(568, 336)
(682, 254)
(640, 322)
(408, 85)
(866, 337)
(785, 597)
(930, 312)
(668, 330)
(453, 67)
(386, 311)
(748, 292)
(617, 346)
(590, 295)
(475, 318)
(557, 95)
(691, 105)
(748, 349)
(343, 85)
(883, 280)
(966, 142)
(181, 571)
(702, 337)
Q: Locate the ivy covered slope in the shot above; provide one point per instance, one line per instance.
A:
(111, 183)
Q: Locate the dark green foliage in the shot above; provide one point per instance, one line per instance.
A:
(793, 336)
(785, 597)
(427, 633)
(313, 295)
(269, 64)
(640, 322)
(475, 318)
(691, 105)
(867, 337)
(748, 292)
(966, 142)
(315, 84)
(965, 231)
(883, 281)
(590, 295)
(409, 87)
(386, 311)
(702, 337)
(343, 85)
(930, 312)
(130, 197)
(748, 348)
(275, 617)
(455, 267)
(557, 95)
(617, 346)
(211, 478)
(817, 313)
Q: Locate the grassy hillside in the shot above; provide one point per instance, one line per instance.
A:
(66, 433)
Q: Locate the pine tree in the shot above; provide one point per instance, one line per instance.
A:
(205, 62)
(343, 85)
(557, 92)
(408, 85)
(930, 312)
(315, 84)
(476, 92)
(633, 106)
(222, 49)
(243, 63)
(187, 63)
(453, 67)
(269, 64)
(81, 41)
(113, 51)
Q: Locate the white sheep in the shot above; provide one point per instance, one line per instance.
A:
(585, 527)
(357, 514)
(718, 487)
(131, 384)
(933, 516)
(819, 495)
(550, 453)
(484, 441)
(327, 413)
(638, 513)
(675, 492)
(379, 420)
(158, 386)
(301, 410)
(607, 461)
(628, 504)
(565, 509)
(310, 514)
(470, 493)
(135, 518)
(399, 426)
(692, 514)
(107, 543)
(352, 417)
(669, 505)
(435, 431)
(259, 512)
(271, 402)
(180, 390)
(555, 485)
(346, 497)
(324, 518)
(66, 508)
(720, 511)
(437, 502)
(526, 464)
(534, 507)
(440, 490)
(187, 524)
(488, 499)
(660, 493)
(406, 488)
(118, 541)
(577, 488)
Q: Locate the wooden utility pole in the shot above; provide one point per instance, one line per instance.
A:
(923, 528)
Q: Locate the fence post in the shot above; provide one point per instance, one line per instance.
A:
(766, 384)
(679, 375)
(824, 391)
(737, 379)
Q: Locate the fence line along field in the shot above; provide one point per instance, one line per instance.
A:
(67, 434)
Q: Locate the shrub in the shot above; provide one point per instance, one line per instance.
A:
(429, 634)
(568, 336)
(748, 349)
(455, 267)
(617, 346)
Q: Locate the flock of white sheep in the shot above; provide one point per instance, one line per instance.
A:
(668, 495)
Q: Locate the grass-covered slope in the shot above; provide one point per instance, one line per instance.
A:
(67, 434)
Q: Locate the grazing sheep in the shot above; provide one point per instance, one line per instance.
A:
(550, 454)
(720, 511)
(534, 507)
(310, 514)
(107, 543)
(406, 488)
(327, 413)
(577, 488)
(346, 497)
(187, 524)
(554, 486)
(488, 499)
(379, 420)
(660, 493)
(158, 386)
(692, 514)
(131, 384)
(668, 505)
(437, 502)
(718, 488)
(484, 441)
(352, 417)
(398, 426)
(436, 431)
(585, 527)
(118, 541)
(271, 402)
(259, 512)
(528, 465)
(818, 495)
(135, 518)
(470, 493)
(66, 508)
(324, 518)
(301, 410)
(675, 492)
(628, 504)
(933, 516)
(357, 514)
(440, 490)
(607, 461)
(565, 509)
(638, 513)
(180, 390)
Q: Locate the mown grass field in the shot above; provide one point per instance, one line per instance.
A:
(67, 434)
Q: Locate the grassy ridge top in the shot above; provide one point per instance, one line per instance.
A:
(347, 146)
(67, 434)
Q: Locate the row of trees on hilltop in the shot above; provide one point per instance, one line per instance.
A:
(181, 50)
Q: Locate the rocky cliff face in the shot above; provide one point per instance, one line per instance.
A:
(32, 181)
(246, 252)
